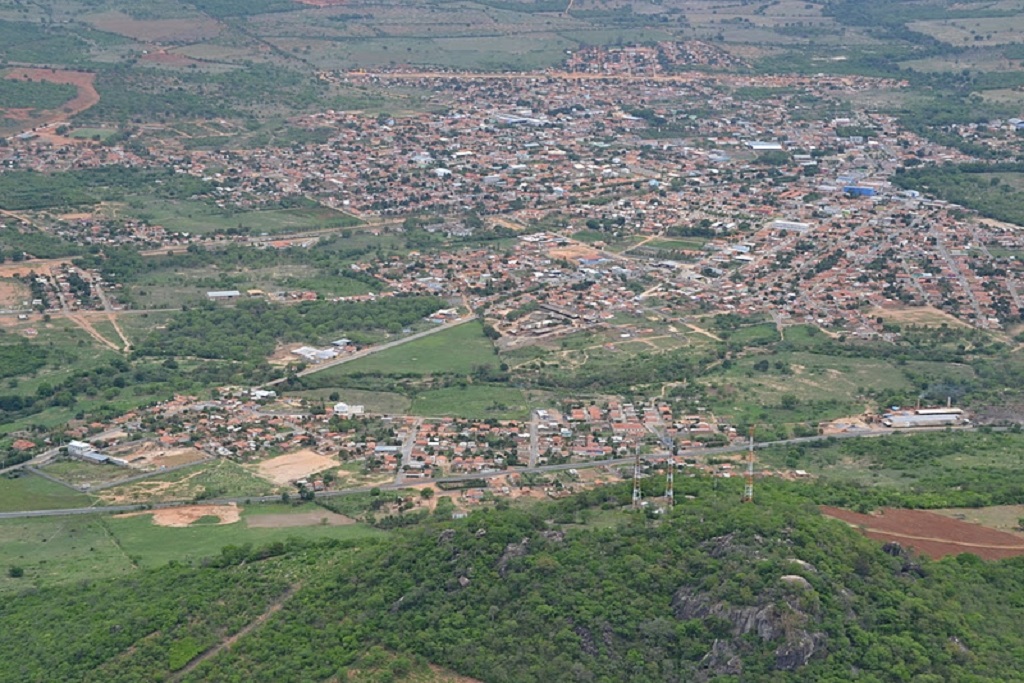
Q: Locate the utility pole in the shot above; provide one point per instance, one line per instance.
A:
(748, 488)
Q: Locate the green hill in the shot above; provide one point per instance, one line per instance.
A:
(570, 591)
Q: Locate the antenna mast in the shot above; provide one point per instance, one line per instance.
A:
(748, 488)
(670, 483)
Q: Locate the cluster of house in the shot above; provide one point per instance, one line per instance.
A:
(754, 205)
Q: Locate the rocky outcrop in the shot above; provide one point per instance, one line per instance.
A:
(512, 551)
(769, 622)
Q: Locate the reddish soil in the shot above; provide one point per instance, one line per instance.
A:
(931, 534)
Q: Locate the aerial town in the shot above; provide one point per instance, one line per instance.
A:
(604, 210)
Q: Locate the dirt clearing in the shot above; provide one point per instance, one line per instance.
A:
(284, 521)
(186, 516)
(284, 469)
(13, 293)
(925, 316)
(931, 534)
(154, 455)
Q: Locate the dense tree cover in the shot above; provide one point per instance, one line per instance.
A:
(135, 382)
(32, 190)
(21, 358)
(252, 328)
(33, 94)
(139, 629)
(623, 375)
(970, 185)
(714, 590)
(330, 257)
(16, 244)
(985, 471)
(141, 94)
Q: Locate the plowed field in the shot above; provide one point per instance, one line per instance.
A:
(931, 534)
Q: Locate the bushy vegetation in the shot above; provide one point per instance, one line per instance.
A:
(712, 591)
(253, 328)
(32, 190)
(971, 185)
(33, 94)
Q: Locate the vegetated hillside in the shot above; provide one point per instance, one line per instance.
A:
(575, 591)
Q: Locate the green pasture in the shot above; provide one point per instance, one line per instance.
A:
(202, 218)
(458, 350)
(67, 549)
(473, 401)
(155, 545)
(31, 492)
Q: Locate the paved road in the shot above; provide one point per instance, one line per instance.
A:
(376, 349)
(408, 443)
(534, 438)
(614, 462)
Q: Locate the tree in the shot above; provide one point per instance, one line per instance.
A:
(15, 572)
(427, 493)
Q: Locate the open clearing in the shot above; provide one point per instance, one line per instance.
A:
(13, 293)
(932, 534)
(153, 455)
(310, 518)
(925, 316)
(30, 492)
(285, 469)
(182, 517)
(156, 30)
(1002, 517)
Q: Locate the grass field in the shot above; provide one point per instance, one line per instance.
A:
(92, 133)
(155, 545)
(683, 243)
(169, 288)
(202, 218)
(58, 550)
(472, 401)
(78, 473)
(458, 350)
(30, 492)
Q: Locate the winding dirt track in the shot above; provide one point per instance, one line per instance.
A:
(249, 628)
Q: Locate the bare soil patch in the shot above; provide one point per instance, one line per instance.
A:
(931, 534)
(285, 469)
(155, 455)
(925, 316)
(575, 252)
(311, 518)
(12, 269)
(185, 516)
(13, 293)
